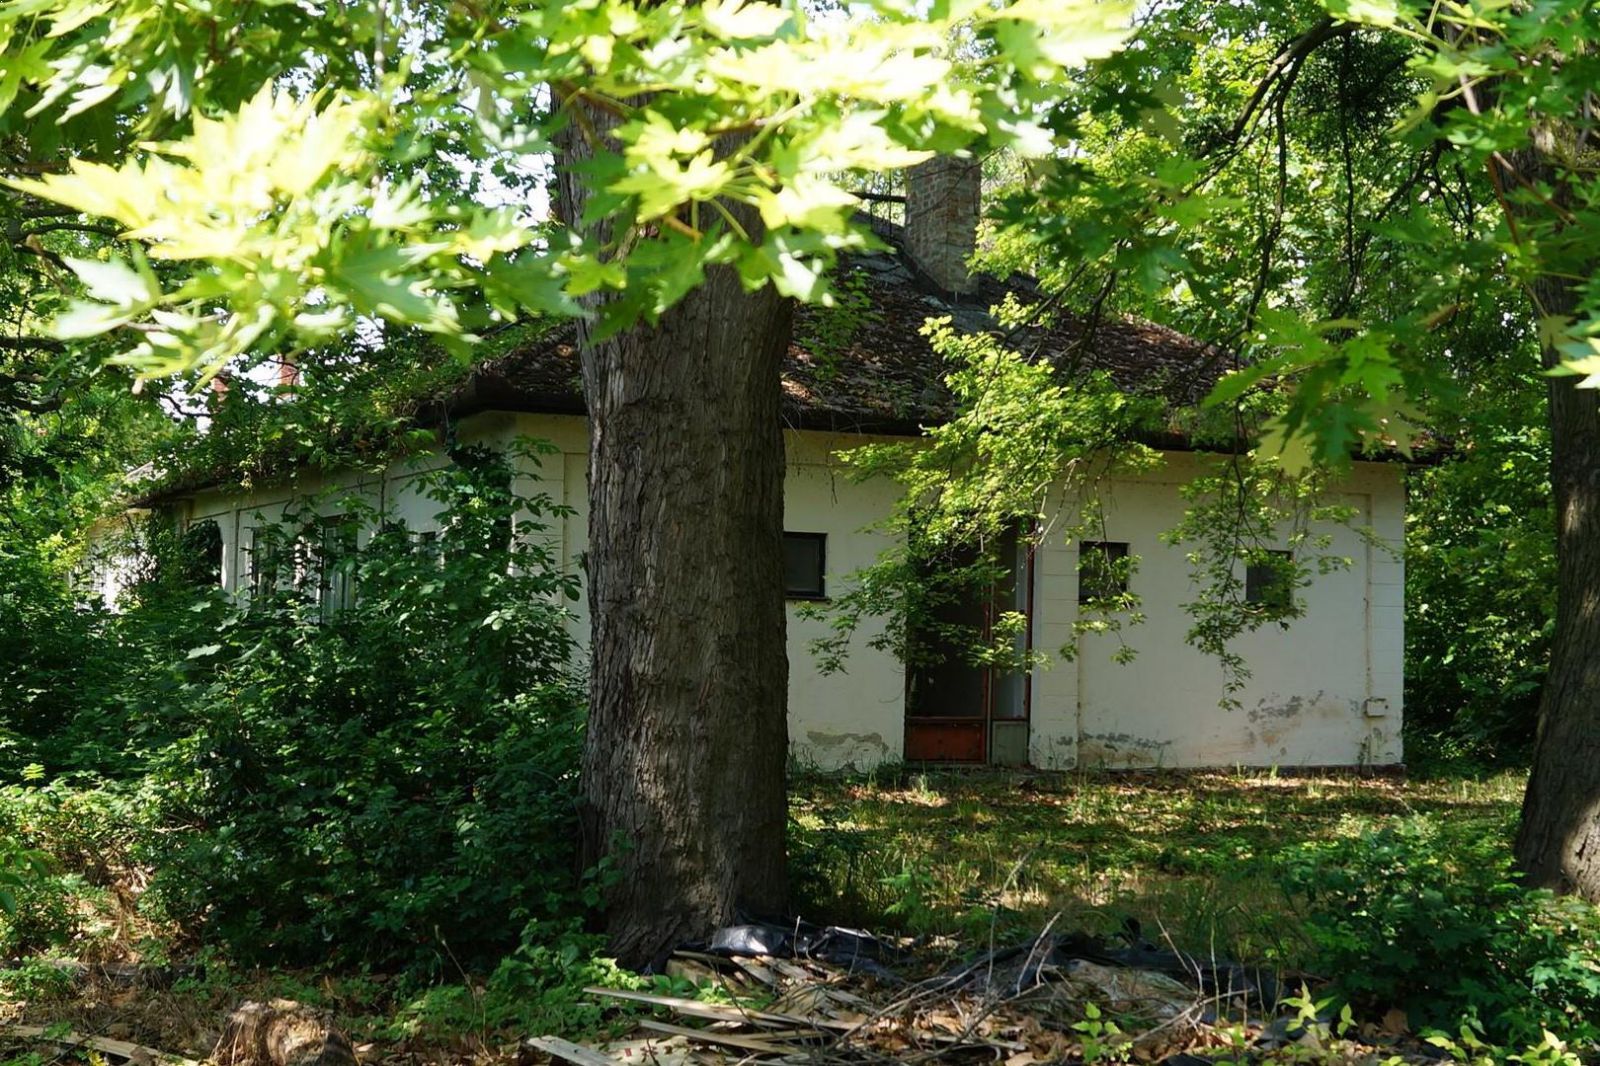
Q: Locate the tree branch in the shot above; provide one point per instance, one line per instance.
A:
(1281, 75)
(75, 227)
(31, 344)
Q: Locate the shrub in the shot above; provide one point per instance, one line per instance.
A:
(391, 778)
(51, 658)
(1439, 926)
(61, 846)
(1481, 581)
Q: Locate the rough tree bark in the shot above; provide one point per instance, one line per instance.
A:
(282, 1033)
(1558, 841)
(687, 738)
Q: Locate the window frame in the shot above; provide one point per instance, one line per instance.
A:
(1257, 586)
(820, 593)
(427, 545)
(1112, 551)
(333, 559)
(264, 562)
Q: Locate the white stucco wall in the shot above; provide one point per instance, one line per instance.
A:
(109, 565)
(394, 490)
(1325, 692)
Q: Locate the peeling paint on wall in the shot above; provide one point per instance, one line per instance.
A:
(839, 751)
(1280, 727)
(1120, 750)
(1292, 707)
(1057, 751)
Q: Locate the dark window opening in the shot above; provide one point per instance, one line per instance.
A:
(426, 544)
(805, 563)
(1270, 582)
(1102, 573)
(266, 562)
(202, 553)
(968, 640)
(334, 560)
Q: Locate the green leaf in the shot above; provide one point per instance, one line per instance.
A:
(381, 280)
(115, 282)
(736, 20)
(1291, 447)
(1368, 12)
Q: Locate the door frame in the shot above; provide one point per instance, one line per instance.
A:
(924, 734)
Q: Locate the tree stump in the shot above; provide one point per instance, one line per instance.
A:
(282, 1033)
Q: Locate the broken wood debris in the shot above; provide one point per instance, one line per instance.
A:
(695, 1008)
(812, 1012)
(1043, 1001)
(138, 1054)
(567, 1051)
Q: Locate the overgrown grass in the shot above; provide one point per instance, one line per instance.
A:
(1189, 856)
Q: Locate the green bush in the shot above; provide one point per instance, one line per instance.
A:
(62, 847)
(1481, 584)
(1437, 924)
(52, 657)
(387, 776)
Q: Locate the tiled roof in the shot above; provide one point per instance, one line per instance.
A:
(879, 376)
(882, 375)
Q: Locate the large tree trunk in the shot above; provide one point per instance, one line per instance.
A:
(1558, 843)
(687, 737)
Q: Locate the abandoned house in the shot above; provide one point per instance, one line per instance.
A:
(1325, 691)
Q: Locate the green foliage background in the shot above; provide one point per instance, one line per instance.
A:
(392, 782)
(1481, 583)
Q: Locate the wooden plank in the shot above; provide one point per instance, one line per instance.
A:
(649, 1049)
(558, 1048)
(709, 1036)
(696, 1009)
(739, 964)
(794, 1034)
(785, 968)
(122, 1049)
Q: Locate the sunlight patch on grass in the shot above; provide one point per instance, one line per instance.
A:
(1191, 856)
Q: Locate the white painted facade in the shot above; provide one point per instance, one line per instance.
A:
(1324, 692)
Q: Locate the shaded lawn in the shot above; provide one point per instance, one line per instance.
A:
(1190, 856)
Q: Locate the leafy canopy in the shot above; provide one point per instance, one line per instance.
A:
(275, 203)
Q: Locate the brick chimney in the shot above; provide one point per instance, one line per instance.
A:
(942, 211)
(288, 376)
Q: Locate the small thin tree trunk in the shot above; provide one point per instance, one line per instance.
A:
(1558, 842)
(687, 738)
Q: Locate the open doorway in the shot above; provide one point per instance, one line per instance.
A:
(960, 709)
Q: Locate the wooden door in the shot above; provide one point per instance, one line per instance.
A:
(954, 708)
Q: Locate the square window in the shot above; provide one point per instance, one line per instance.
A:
(805, 558)
(426, 543)
(1101, 573)
(1268, 582)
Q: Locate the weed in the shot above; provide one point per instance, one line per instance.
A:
(1189, 853)
(1103, 1039)
(910, 890)
(37, 979)
(1411, 915)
